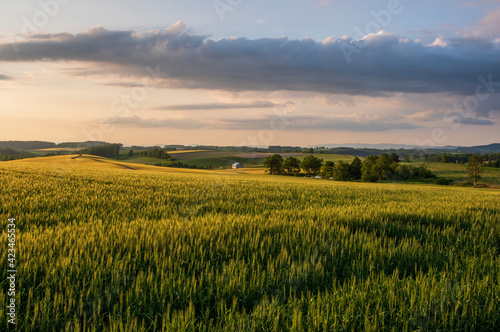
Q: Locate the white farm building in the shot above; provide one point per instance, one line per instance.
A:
(237, 165)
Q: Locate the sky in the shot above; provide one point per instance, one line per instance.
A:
(259, 73)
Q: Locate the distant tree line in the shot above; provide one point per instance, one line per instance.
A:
(107, 151)
(490, 159)
(179, 164)
(284, 149)
(81, 145)
(372, 169)
(26, 145)
(38, 145)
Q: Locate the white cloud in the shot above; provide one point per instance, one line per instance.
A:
(422, 116)
(487, 27)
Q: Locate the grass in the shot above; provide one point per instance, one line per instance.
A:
(458, 173)
(141, 248)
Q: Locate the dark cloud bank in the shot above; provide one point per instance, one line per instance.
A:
(385, 63)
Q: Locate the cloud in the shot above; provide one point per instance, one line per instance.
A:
(303, 123)
(135, 121)
(422, 116)
(473, 121)
(282, 122)
(383, 63)
(322, 3)
(124, 84)
(217, 106)
(487, 27)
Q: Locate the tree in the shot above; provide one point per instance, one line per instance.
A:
(355, 169)
(475, 167)
(311, 165)
(274, 164)
(327, 170)
(341, 171)
(444, 159)
(130, 153)
(404, 172)
(291, 166)
(368, 171)
(395, 158)
(383, 166)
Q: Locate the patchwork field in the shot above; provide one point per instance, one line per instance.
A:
(115, 246)
(217, 159)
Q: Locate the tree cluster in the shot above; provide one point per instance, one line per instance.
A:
(155, 153)
(493, 163)
(107, 151)
(385, 167)
(7, 154)
(313, 166)
(491, 160)
(372, 169)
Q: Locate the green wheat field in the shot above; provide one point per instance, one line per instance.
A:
(110, 246)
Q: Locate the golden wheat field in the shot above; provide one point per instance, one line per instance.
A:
(103, 245)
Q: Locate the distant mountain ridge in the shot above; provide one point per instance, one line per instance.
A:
(490, 148)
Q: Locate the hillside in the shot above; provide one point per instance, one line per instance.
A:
(106, 244)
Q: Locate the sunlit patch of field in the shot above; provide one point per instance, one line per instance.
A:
(76, 162)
